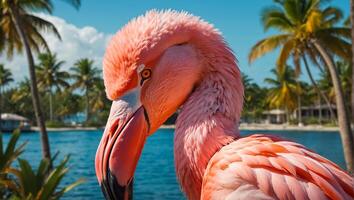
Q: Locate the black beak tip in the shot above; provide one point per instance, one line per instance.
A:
(113, 191)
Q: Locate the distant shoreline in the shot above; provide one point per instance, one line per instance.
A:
(279, 127)
(243, 126)
(275, 127)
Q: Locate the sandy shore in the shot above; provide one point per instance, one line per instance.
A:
(263, 127)
(243, 126)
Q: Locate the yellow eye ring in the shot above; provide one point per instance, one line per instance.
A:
(146, 73)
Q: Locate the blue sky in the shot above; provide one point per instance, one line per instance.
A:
(238, 20)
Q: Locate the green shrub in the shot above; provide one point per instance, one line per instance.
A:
(24, 182)
(94, 123)
(7, 157)
(54, 124)
(38, 184)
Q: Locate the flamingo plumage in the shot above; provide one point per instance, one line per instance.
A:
(177, 60)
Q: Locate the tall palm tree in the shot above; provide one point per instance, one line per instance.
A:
(21, 31)
(299, 102)
(5, 78)
(351, 19)
(50, 76)
(317, 88)
(85, 75)
(20, 99)
(284, 90)
(99, 104)
(326, 85)
(22, 93)
(306, 29)
(298, 26)
(345, 70)
(98, 96)
(254, 106)
(69, 103)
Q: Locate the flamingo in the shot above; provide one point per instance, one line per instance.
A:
(173, 60)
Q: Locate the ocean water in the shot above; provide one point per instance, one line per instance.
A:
(155, 176)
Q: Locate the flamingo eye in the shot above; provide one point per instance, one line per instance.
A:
(145, 74)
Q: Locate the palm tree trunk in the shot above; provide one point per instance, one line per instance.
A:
(343, 118)
(50, 104)
(287, 116)
(352, 25)
(320, 110)
(0, 106)
(87, 106)
(299, 104)
(318, 90)
(34, 89)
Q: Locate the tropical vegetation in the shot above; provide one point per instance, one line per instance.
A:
(284, 90)
(64, 93)
(5, 79)
(85, 76)
(50, 77)
(308, 30)
(21, 30)
(23, 182)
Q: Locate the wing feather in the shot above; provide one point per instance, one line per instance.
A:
(269, 167)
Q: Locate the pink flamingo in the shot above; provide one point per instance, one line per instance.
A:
(178, 60)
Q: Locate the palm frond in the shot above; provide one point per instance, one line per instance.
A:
(347, 22)
(335, 31)
(274, 17)
(313, 22)
(36, 5)
(42, 24)
(331, 16)
(337, 46)
(75, 3)
(266, 45)
(285, 53)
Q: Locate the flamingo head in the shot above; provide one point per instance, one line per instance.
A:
(161, 56)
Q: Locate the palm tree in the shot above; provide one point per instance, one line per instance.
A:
(247, 84)
(253, 106)
(69, 103)
(21, 30)
(99, 104)
(5, 78)
(299, 103)
(317, 88)
(306, 29)
(297, 28)
(344, 71)
(345, 74)
(50, 75)
(98, 96)
(352, 28)
(22, 93)
(326, 86)
(284, 90)
(85, 75)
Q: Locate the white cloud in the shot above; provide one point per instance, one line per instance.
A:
(85, 42)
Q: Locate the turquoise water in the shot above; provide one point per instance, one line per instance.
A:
(155, 177)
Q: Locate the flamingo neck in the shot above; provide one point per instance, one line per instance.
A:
(207, 122)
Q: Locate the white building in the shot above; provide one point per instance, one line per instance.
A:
(275, 116)
(10, 122)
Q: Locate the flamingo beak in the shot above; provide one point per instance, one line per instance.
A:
(119, 151)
